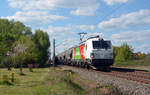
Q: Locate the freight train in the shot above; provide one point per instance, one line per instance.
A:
(95, 53)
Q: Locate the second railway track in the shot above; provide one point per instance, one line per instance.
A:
(130, 76)
(138, 76)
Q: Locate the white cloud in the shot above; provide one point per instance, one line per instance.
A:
(61, 33)
(139, 40)
(59, 28)
(87, 11)
(86, 27)
(112, 2)
(132, 36)
(17, 3)
(35, 17)
(130, 20)
(39, 12)
(82, 7)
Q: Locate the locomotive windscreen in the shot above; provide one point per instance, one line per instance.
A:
(101, 44)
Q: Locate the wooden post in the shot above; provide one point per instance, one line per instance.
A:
(12, 77)
(53, 52)
(5, 78)
(21, 68)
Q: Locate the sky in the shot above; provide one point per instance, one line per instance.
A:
(121, 21)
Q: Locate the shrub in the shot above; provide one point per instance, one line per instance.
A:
(123, 53)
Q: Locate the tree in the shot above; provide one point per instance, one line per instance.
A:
(116, 51)
(10, 32)
(123, 53)
(7, 62)
(41, 39)
(25, 51)
(24, 46)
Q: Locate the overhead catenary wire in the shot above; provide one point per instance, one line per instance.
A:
(113, 11)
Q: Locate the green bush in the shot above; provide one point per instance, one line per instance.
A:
(123, 53)
(2, 65)
(124, 56)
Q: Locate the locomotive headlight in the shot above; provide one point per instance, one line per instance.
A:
(92, 55)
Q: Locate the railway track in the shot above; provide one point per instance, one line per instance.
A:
(130, 76)
(138, 76)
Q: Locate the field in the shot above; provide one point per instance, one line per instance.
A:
(48, 81)
(134, 63)
(39, 82)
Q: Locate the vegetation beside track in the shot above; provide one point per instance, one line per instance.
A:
(40, 82)
(124, 56)
(49, 81)
(20, 46)
(135, 62)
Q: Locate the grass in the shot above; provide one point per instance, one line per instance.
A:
(41, 82)
(136, 62)
(50, 81)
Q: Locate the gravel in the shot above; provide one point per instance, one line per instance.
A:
(124, 87)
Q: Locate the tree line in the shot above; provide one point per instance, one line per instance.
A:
(20, 46)
(125, 53)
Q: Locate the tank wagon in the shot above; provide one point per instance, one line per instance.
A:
(95, 53)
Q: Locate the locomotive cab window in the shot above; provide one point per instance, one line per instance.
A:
(101, 44)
